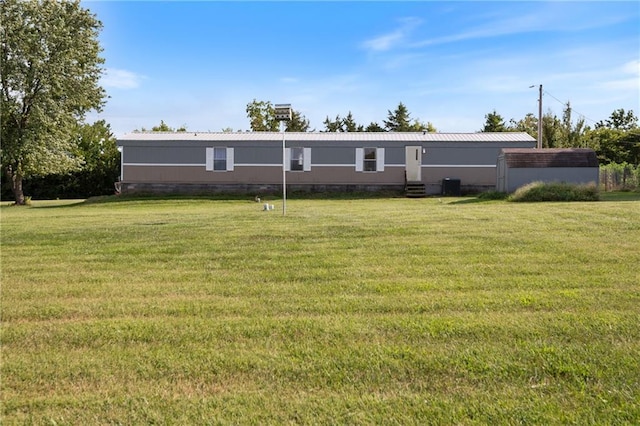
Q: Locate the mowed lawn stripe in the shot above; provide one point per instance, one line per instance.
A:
(343, 311)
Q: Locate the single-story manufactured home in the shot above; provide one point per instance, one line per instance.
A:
(518, 167)
(253, 162)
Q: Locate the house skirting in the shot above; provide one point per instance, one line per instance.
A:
(256, 189)
(252, 189)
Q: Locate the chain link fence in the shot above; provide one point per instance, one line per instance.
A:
(620, 177)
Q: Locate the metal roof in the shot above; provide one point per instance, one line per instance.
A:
(416, 137)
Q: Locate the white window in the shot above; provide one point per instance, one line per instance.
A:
(298, 159)
(369, 159)
(219, 159)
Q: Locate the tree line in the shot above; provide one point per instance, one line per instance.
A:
(615, 140)
(50, 67)
(262, 118)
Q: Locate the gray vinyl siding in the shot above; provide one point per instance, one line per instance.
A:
(393, 156)
(333, 155)
(461, 154)
(164, 155)
(257, 155)
(271, 153)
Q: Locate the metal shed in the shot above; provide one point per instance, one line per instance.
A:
(517, 167)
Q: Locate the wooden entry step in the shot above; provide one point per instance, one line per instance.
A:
(415, 190)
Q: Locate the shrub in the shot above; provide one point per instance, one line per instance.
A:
(556, 191)
(493, 195)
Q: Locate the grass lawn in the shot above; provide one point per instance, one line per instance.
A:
(346, 311)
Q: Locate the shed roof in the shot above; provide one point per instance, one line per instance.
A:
(415, 137)
(518, 158)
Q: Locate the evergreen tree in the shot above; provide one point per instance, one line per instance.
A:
(374, 127)
(350, 125)
(333, 125)
(494, 123)
(298, 123)
(398, 120)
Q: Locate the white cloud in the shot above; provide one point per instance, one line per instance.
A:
(121, 79)
(632, 67)
(551, 17)
(629, 81)
(628, 78)
(384, 42)
(394, 38)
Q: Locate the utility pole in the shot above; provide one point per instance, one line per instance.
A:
(540, 119)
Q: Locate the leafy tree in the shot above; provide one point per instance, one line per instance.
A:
(551, 131)
(50, 69)
(604, 141)
(163, 127)
(419, 126)
(614, 145)
(617, 139)
(96, 144)
(528, 124)
(262, 116)
(631, 139)
(494, 123)
(99, 149)
(571, 134)
(621, 120)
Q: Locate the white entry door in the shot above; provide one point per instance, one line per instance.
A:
(413, 163)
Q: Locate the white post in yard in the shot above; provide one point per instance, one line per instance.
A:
(283, 113)
(284, 172)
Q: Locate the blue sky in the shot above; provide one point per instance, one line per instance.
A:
(199, 63)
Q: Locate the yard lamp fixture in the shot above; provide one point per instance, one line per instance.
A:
(283, 113)
(539, 116)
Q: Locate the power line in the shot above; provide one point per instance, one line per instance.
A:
(572, 109)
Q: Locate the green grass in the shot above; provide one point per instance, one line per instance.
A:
(356, 311)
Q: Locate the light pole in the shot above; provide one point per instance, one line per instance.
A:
(283, 113)
(539, 117)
